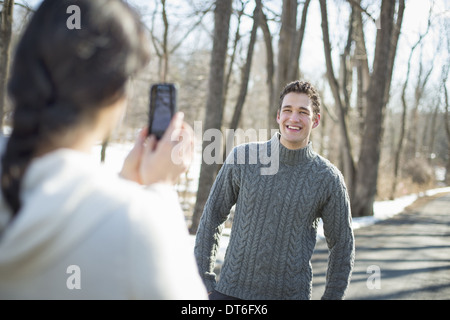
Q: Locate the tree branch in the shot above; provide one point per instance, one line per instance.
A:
(25, 6)
(358, 7)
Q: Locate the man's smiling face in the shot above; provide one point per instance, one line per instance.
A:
(296, 120)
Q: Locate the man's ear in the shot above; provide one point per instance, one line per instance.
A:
(278, 116)
(316, 120)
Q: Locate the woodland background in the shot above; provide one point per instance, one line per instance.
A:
(381, 67)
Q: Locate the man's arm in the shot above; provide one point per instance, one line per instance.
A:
(337, 224)
(222, 197)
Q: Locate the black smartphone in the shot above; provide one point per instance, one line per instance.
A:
(163, 106)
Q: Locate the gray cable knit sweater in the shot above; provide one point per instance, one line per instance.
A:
(275, 224)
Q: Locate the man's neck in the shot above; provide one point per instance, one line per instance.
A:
(294, 146)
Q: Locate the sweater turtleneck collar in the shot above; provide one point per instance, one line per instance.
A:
(296, 156)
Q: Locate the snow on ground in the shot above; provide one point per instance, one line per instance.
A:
(387, 209)
(116, 153)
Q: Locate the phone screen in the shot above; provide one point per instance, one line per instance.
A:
(162, 108)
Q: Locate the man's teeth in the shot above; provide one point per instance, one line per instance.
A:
(294, 128)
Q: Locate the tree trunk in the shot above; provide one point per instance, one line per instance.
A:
(214, 105)
(245, 75)
(5, 44)
(399, 149)
(365, 187)
(244, 81)
(447, 124)
(165, 54)
(103, 149)
(293, 70)
(349, 167)
(237, 38)
(288, 33)
(270, 67)
(433, 130)
(393, 51)
(362, 68)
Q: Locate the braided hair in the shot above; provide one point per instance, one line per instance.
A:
(63, 77)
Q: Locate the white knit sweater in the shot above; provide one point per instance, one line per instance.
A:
(83, 233)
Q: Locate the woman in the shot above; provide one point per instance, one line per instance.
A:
(68, 229)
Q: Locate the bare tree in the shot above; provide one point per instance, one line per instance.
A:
(294, 70)
(5, 44)
(162, 46)
(447, 111)
(412, 144)
(245, 77)
(365, 185)
(361, 64)
(289, 47)
(349, 166)
(361, 178)
(399, 148)
(214, 103)
(447, 131)
(270, 65)
(237, 39)
(285, 42)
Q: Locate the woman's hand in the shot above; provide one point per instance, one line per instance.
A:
(151, 161)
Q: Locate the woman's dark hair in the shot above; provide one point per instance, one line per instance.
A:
(62, 77)
(302, 87)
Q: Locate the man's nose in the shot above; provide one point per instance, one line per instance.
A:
(295, 116)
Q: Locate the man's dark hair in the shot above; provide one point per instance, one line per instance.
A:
(302, 87)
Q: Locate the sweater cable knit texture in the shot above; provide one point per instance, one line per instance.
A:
(275, 225)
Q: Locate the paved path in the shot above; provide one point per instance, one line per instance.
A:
(405, 257)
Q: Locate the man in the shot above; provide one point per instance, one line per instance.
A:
(276, 215)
